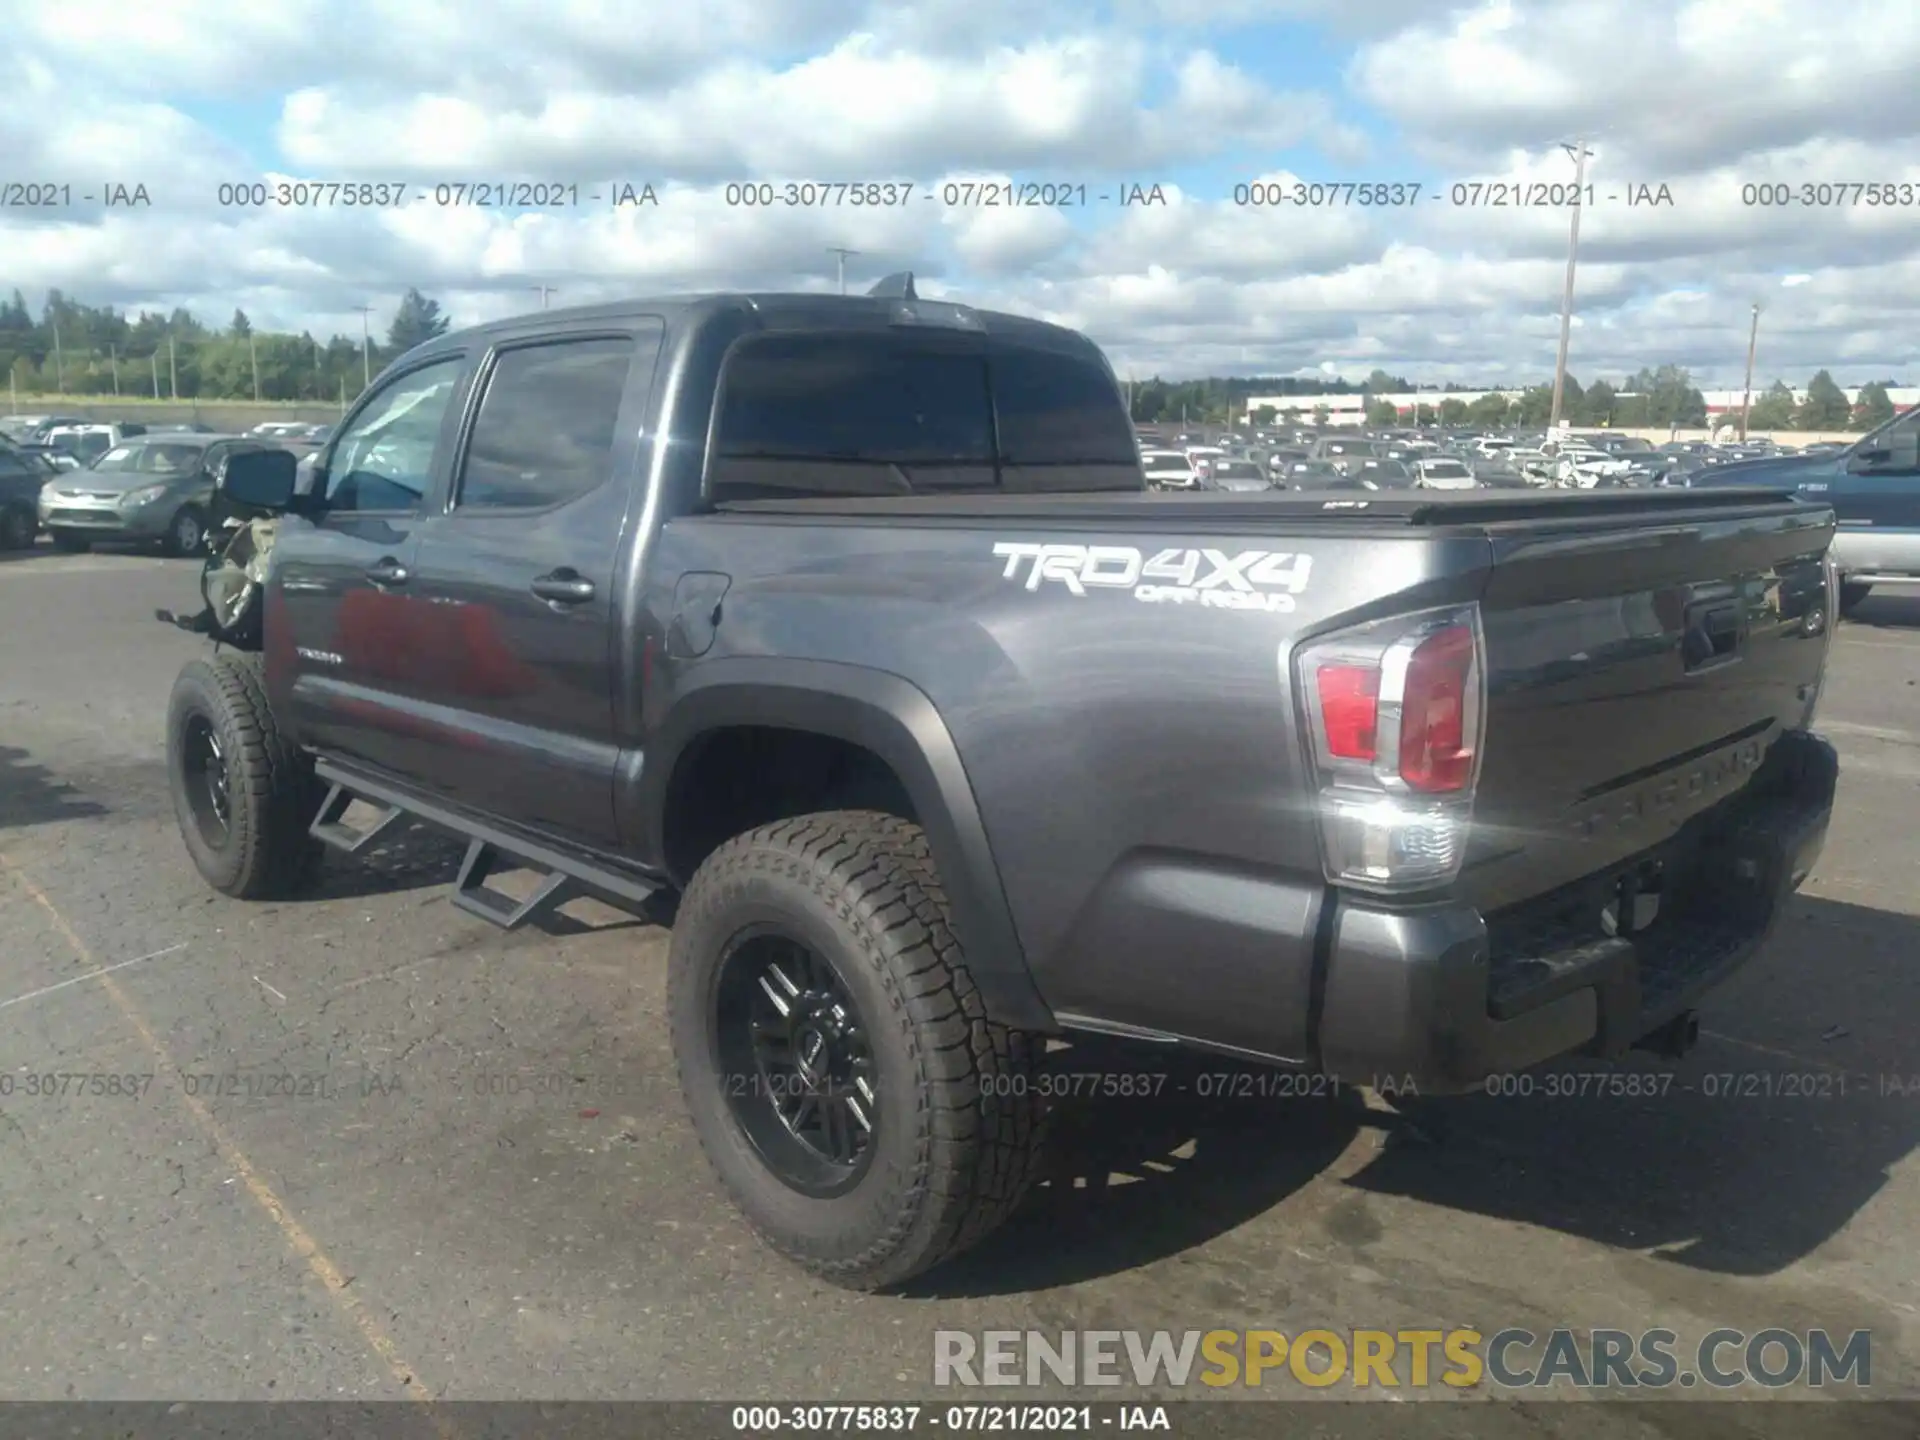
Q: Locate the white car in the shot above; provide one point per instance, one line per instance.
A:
(74, 447)
(1584, 469)
(1204, 456)
(1169, 470)
(1441, 474)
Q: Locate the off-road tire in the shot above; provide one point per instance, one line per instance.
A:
(961, 1126)
(1852, 596)
(266, 852)
(70, 542)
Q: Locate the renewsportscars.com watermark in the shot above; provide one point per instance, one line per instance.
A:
(1457, 1359)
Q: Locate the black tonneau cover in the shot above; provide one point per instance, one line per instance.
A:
(1417, 507)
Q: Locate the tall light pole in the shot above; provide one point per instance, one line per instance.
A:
(1578, 150)
(545, 291)
(1753, 344)
(253, 358)
(366, 345)
(842, 252)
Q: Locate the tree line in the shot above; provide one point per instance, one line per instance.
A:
(98, 350)
(79, 349)
(1653, 397)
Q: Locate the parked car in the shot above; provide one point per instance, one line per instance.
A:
(1312, 474)
(22, 473)
(1873, 487)
(1169, 470)
(153, 488)
(1443, 474)
(1238, 475)
(619, 626)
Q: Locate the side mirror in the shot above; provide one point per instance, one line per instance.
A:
(261, 479)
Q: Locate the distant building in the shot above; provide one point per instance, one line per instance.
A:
(1352, 409)
(1724, 402)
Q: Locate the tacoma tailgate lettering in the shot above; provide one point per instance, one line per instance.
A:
(1265, 580)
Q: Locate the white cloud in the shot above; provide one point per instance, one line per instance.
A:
(1706, 98)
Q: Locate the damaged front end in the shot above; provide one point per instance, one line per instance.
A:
(232, 583)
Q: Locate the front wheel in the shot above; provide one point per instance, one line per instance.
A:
(243, 794)
(186, 534)
(1852, 595)
(865, 1115)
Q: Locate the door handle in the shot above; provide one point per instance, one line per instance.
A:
(388, 571)
(563, 587)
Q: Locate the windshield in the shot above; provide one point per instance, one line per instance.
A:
(1446, 469)
(150, 460)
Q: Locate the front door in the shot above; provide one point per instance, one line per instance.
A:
(1876, 502)
(343, 647)
(519, 573)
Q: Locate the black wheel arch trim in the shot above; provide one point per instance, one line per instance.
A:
(896, 720)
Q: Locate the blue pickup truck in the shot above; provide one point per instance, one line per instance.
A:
(1874, 489)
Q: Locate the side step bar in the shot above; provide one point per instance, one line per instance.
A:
(568, 877)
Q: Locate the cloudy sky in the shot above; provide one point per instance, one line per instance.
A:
(1706, 98)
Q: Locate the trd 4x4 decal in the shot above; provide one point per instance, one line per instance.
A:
(1266, 580)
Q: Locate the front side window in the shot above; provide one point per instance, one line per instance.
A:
(546, 427)
(383, 460)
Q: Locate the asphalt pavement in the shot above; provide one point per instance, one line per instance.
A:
(388, 1151)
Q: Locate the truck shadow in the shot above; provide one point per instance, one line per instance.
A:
(1887, 609)
(1744, 1157)
(1201, 1147)
(1741, 1159)
(30, 794)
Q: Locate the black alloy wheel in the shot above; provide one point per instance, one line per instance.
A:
(796, 1062)
(205, 770)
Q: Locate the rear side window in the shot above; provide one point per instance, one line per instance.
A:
(865, 415)
(851, 415)
(1063, 425)
(546, 427)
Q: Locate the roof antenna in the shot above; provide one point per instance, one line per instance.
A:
(898, 286)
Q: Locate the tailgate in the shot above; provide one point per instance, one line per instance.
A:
(1639, 669)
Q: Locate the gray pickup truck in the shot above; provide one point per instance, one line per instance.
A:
(850, 624)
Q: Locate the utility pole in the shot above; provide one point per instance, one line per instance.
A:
(253, 355)
(366, 346)
(173, 370)
(1578, 150)
(113, 358)
(154, 359)
(545, 291)
(59, 363)
(842, 252)
(1746, 399)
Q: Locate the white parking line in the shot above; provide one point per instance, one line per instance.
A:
(90, 975)
(1884, 733)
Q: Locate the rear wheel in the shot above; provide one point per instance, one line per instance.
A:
(71, 542)
(866, 1116)
(242, 793)
(1852, 594)
(18, 525)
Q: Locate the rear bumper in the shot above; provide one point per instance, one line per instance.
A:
(1439, 998)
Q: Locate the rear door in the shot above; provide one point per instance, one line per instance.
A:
(517, 576)
(343, 631)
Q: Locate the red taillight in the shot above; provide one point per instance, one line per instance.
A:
(1435, 753)
(1350, 710)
